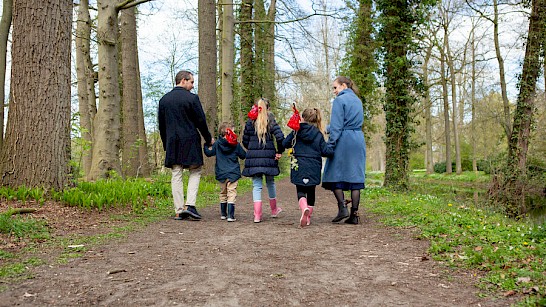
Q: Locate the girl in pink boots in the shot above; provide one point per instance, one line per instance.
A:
(259, 138)
(306, 160)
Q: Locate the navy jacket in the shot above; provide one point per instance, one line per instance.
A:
(260, 158)
(308, 150)
(181, 119)
(227, 163)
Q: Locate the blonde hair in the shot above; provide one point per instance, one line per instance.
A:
(313, 117)
(262, 122)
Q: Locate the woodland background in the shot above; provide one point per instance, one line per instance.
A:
(456, 81)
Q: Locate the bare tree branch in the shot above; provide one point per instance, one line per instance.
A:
(129, 4)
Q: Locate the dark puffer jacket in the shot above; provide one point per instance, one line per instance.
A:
(308, 150)
(227, 163)
(260, 158)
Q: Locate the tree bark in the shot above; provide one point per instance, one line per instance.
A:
(429, 163)
(107, 122)
(131, 117)
(246, 39)
(227, 59)
(86, 84)
(500, 60)
(207, 66)
(443, 78)
(36, 151)
(5, 25)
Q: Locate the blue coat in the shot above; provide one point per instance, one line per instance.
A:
(181, 119)
(347, 139)
(260, 158)
(227, 163)
(309, 149)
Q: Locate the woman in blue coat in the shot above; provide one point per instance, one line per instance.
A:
(345, 171)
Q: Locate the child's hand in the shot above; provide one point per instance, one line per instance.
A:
(278, 156)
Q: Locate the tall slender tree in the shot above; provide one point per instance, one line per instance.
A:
(5, 25)
(36, 151)
(87, 102)
(228, 54)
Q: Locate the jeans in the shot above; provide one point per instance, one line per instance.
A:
(257, 187)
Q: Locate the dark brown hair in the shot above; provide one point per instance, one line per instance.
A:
(183, 74)
(347, 81)
(313, 116)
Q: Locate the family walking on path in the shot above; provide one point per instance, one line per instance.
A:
(182, 123)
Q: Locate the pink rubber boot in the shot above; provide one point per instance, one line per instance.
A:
(274, 209)
(257, 211)
(304, 212)
(310, 212)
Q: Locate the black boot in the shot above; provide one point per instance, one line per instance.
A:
(354, 218)
(223, 211)
(231, 213)
(341, 212)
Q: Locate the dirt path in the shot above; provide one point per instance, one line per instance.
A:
(273, 263)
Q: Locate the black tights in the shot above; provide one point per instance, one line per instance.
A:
(307, 192)
(355, 197)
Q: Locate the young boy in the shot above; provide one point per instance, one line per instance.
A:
(227, 151)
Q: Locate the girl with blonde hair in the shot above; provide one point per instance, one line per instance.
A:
(263, 138)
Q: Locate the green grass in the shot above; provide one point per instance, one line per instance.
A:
(466, 234)
(149, 201)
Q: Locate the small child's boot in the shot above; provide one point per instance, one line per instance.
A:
(304, 212)
(311, 208)
(257, 211)
(231, 212)
(275, 210)
(223, 211)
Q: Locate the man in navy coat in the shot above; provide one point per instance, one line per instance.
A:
(182, 122)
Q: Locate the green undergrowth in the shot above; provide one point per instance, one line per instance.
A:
(148, 200)
(465, 233)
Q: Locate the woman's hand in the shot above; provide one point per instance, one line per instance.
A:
(278, 156)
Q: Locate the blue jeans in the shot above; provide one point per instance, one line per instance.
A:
(257, 187)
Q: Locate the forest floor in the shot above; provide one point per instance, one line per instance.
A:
(273, 263)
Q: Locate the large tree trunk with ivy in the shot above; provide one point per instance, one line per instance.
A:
(36, 151)
(264, 46)
(360, 60)
(397, 35)
(131, 117)
(107, 121)
(246, 39)
(87, 102)
(5, 25)
(227, 59)
(513, 181)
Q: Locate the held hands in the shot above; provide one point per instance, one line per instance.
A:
(278, 156)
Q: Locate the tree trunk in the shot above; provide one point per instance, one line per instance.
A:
(505, 102)
(207, 66)
(269, 54)
(107, 122)
(227, 59)
(399, 104)
(131, 136)
(453, 82)
(449, 168)
(246, 58)
(86, 83)
(36, 151)
(429, 163)
(143, 144)
(513, 187)
(5, 25)
(473, 101)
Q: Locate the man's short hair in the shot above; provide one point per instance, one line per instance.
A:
(182, 75)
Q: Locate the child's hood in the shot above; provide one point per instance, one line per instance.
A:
(224, 146)
(307, 133)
